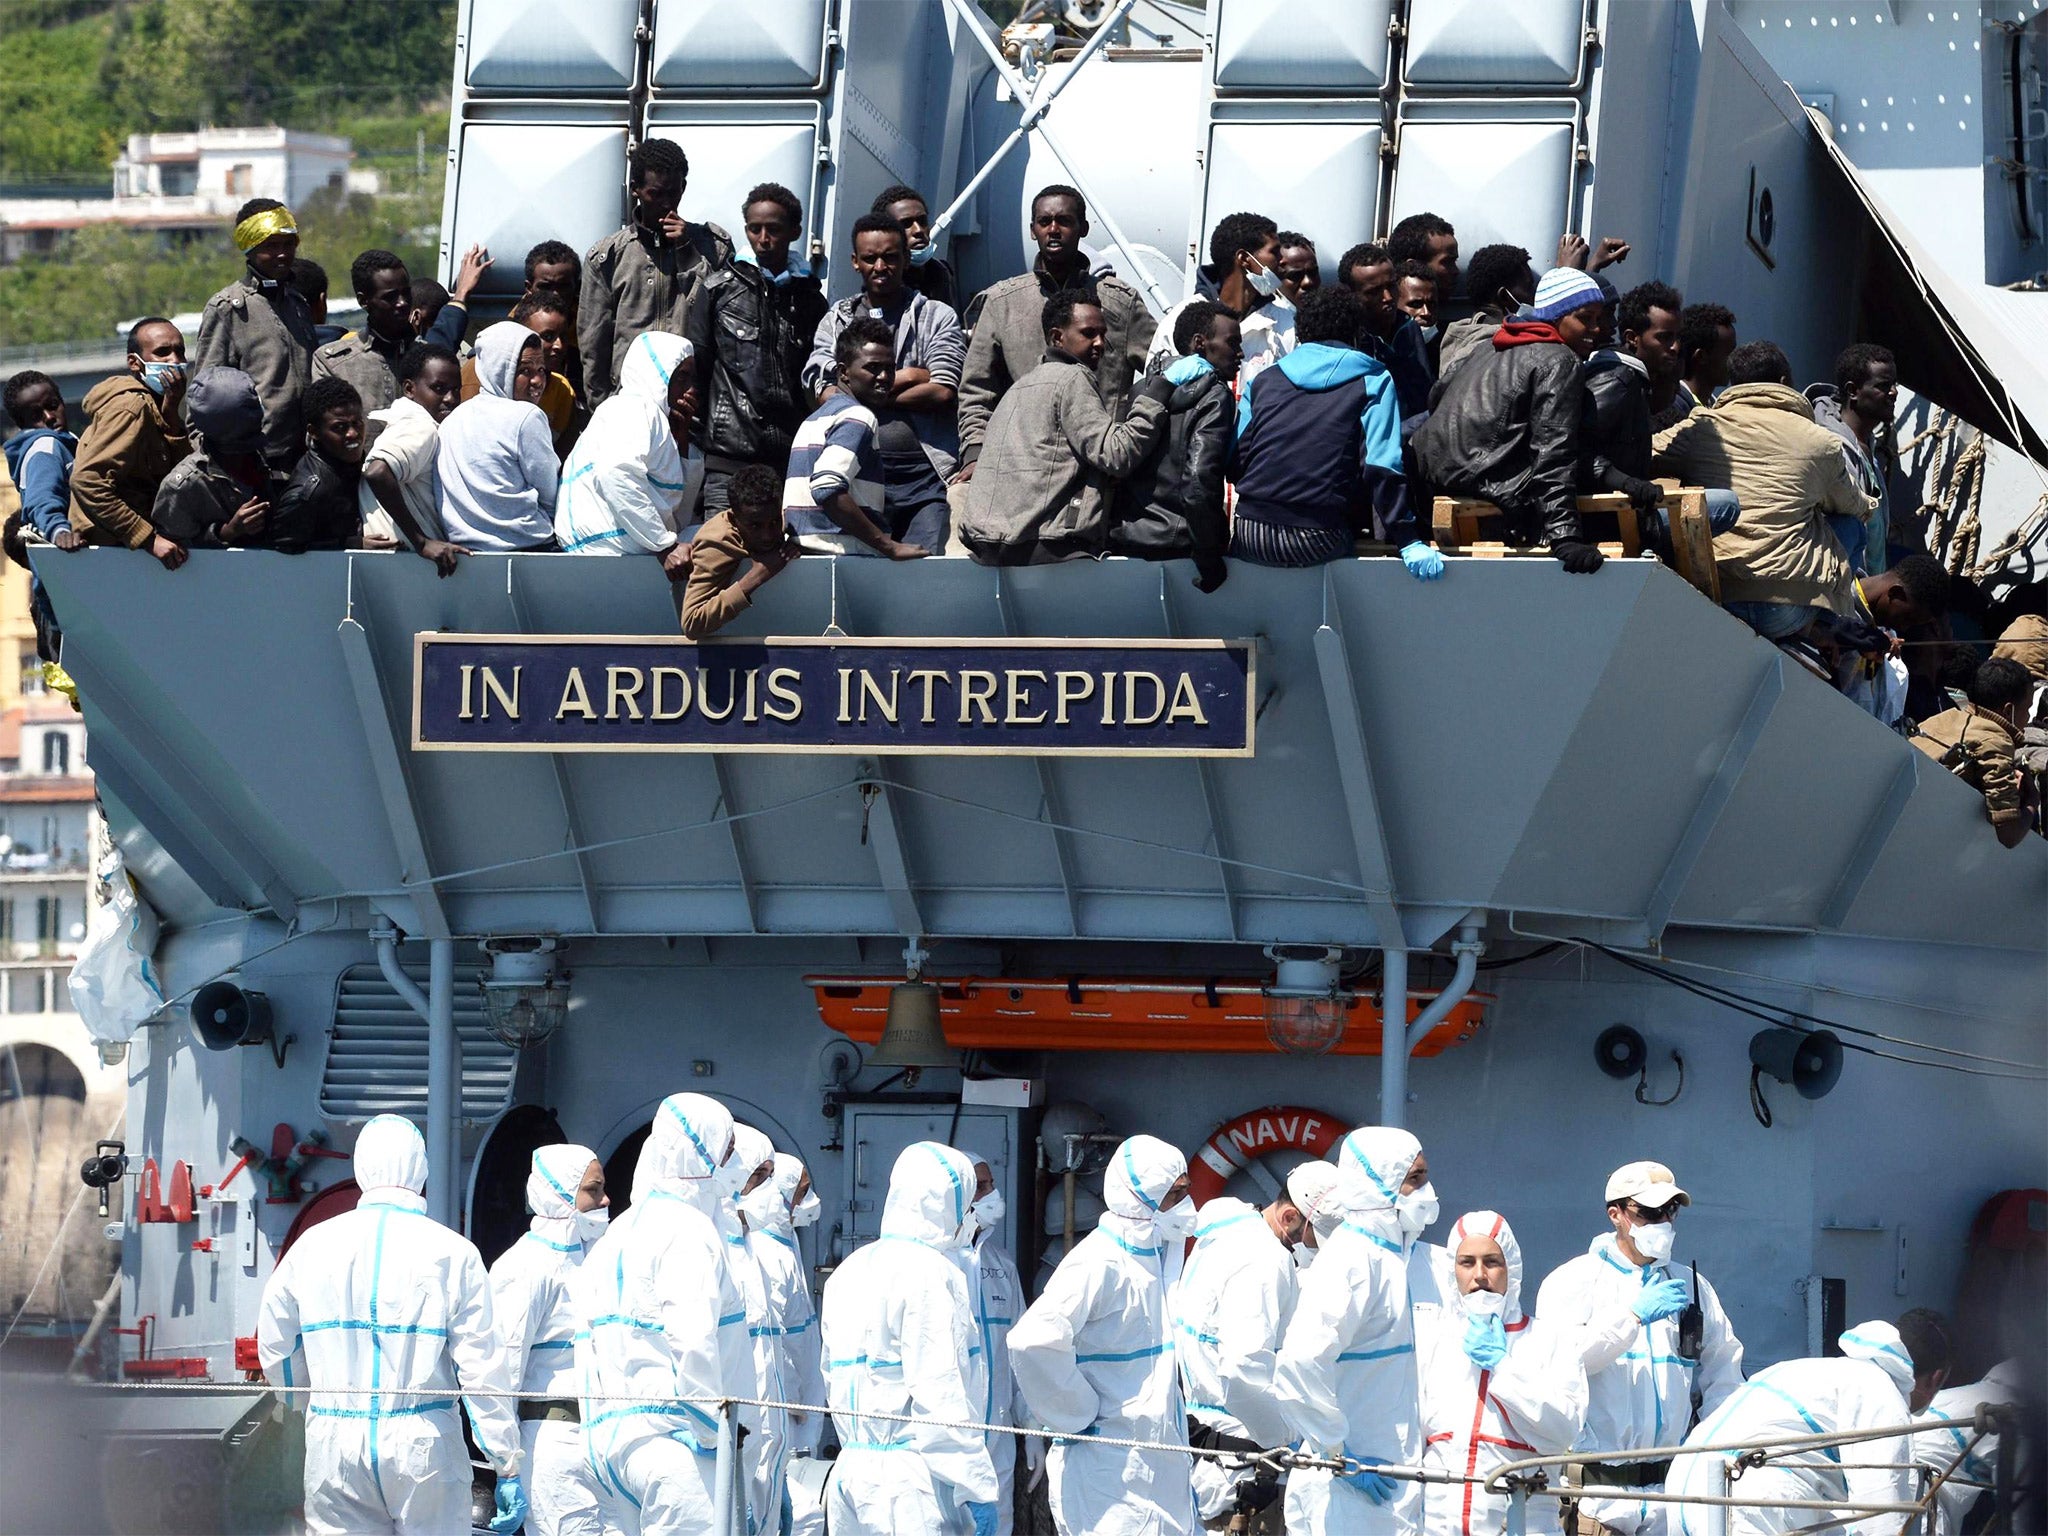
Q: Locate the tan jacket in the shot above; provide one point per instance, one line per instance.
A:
(2026, 641)
(128, 446)
(270, 338)
(712, 599)
(1982, 746)
(1761, 441)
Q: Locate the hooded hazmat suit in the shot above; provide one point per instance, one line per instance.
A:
(1975, 1460)
(1867, 1388)
(899, 1339)
(1639, 1391)
(629, 486)
(788, 1338)
(663, 1322)
(1476, 1418)
(767, 1444)
(1094, 1358)
(996, 1291)
(1346, 1371)
(537, 1331)
(384, 1298)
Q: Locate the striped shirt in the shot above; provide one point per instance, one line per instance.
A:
(835, 450)
(928, 336)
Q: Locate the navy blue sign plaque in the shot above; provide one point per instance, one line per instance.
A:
(659, 693)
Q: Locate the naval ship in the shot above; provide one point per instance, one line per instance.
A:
(1560, 872)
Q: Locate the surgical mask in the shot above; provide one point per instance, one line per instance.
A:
(1484, 1303)
(988, 1210)
(1416, 1210)
(924, 253)
(761, 1205)
(1264, 280)
(1176, 1220)
(157, 377)
(1304, 1255)
(1654, 1240)
(590, 1225)
(805, 1212)
(731, 1177)
(1429, 332)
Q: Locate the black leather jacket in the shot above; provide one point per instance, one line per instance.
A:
(1171, 506)
(751, 339)
(1506, 430)
(1614, 425)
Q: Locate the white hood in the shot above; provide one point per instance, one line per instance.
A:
(1140, 1173)
(1880, 1344)
(930, 1190)
(551, 1189)
(497, 356)
(1494, 1225)
(391, 1154)
(690, 1139)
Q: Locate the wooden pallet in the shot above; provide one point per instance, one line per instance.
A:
(1470, 527)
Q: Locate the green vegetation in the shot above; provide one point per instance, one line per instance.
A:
(55, 118)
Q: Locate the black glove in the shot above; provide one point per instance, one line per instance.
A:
(1158, 387)
(1577, 556)
(1210, 572)
(1643, 495)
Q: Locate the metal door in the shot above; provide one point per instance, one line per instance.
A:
(877, 1133)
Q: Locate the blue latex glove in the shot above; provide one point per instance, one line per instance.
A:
(1376, 1488)
(1662, 1298)
(1423, 563)
(511, 1507)
(1486, 1342)
(984, 1518)
(1185, 370)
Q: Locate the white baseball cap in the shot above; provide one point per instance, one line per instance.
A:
(1648, 1184)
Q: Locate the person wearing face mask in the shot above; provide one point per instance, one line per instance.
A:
(774, 1211)
(1094, 1355)
(1883, 1375)
(930, 273)
(748, 1170)
(530, 1295)
(900, 1340)
(1496, 1385)
(1345, 1376)
(664, 1323)
(496, 457)
(1628, 1297)
(632, 481)
(1230, 1312)
(1243, 276)
(134, 436)
(997, 1293)
(261, 324)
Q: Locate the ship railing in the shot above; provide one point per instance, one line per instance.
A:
(1520, 1482)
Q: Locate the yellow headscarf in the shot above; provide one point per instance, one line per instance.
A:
(259, 227)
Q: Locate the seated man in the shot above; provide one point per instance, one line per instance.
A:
(1910, 595)
(219, 495)
(1706, 340)
(835, 496)
(1506, 425)
(1301, 274)
(1781, 565)
(1053, 449)
(750, 530)
(496, 460)
(1170, 507)
(1418, 298)
(133, 435)
(319, 508)
(632, 484)
(1387, 335)
(1500, 281)
(400, 495)
(1978, 743)
(1318, 452)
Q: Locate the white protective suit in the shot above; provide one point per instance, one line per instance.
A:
(1975, 1461)
(899, 1338)
(537, 1331)
(385, 1298)
(1639, 1392)
(1473, 1420)
(1094, 1358)
(997, 1293)
(791, 1331)
(663, 1318)
(1346, 1372)
(1867, 1388)
(628, 486)
(767, 1446)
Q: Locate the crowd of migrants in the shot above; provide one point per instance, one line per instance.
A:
(676, 395)
(596, 1355)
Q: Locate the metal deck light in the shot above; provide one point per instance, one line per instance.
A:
(524, 1000)
(1306, 1006)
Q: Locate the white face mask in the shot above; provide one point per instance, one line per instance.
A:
(1303, 1255)
(1416, 1210)
(761, 1205)
(1176, 1220)
(805, 1212)
(1429, 332)
(988, 1210)
(1484, 1303)
(731, 1176)
(1653, 1240)
(590, 1225)
(1264, 280)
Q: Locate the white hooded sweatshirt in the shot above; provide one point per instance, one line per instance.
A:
(497, 463)
(628, 486)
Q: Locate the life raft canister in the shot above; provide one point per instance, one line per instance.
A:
(1276, 1128)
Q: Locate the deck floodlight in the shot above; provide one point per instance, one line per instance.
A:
(1306, 1005)
(912, 1037)
(525, 1001)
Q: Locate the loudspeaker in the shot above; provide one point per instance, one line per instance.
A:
(1811, 1061)
(1620, 1052)
(226, 1016)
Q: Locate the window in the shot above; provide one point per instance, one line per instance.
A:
(32, 678)
(241, 178)
(60, 992)
(56, 752)
(49, 912)
(6, 922)
(49, 842)
(24, 991)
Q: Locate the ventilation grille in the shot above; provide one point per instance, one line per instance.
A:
(377, 1051)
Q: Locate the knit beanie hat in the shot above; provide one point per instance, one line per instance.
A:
(1560, 291)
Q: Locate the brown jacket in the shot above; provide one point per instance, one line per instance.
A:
(1978, 747)
(129, 445)
(1761, 441)
(2026, 641)
(712, 599)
